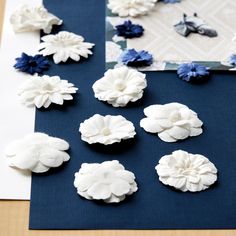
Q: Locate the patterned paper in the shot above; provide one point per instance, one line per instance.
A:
(169, 48)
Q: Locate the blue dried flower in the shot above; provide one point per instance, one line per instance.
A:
(232, 60)
(32, 64)
(129, 30)
(192, 72)
(136, 59)
(171, 1)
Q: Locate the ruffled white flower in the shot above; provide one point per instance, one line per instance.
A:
(37, 152)
(28, 18)
(113, 51)
(186, 171)
(131, 8)
(172, 122)
(120, 86)
(108, 181)
(106, 129)
(65, 45)
(42, 91)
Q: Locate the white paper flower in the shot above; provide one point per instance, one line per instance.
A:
(172, 122)
(108, 181)
(42, 91)
(28, 18)
(120, 86)
(106, 129)
(37, 152)
(131, 8)
(113, 51)
(186, 171)
(65, 45)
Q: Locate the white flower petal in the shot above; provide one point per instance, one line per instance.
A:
(126, 175)
(53, 158)
(84, 182)
(164, 136)
(178, 133)
(195, 131)
(56, 98)
(40, 168)
(150, 125)
(120, 187)
(99, 191)
(59, 144)
(26, 158)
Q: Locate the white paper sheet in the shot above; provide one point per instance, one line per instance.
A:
(16, 120)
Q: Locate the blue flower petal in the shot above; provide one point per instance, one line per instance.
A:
(136, 59)
(232, 60)
(31, 64)
(129, 30)
(192, 72)
(170, 1)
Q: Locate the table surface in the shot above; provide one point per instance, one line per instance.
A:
(14, 217)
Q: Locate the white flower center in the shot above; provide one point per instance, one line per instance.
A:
(188, 170)
(175, 116)
(120, 85)
(47, 88)
(106, 131)
(105, 175)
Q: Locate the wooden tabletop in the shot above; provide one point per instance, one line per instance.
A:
(14, 217)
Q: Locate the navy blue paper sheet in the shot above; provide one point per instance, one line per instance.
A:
(54, 201)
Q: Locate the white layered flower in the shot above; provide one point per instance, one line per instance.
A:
(131, 8)
(42, 91)
(172, 122)
(186, 171)
(108, 181)
(106, 129)
(113, 51)
(28, 18)
(37, 152)
(65, 45)
(120, 86)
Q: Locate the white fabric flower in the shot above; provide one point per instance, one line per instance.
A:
(120, 86)
(131, 8)
(108, 181)
(106, 129)
(186, 171)
(172, 122)
(28, 18)
(42, 91)
(37, 152)
(113, 51)
(65, 45)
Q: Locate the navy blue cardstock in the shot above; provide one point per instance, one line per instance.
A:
(54, 201)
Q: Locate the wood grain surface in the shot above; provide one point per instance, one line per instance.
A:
(14, 216)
